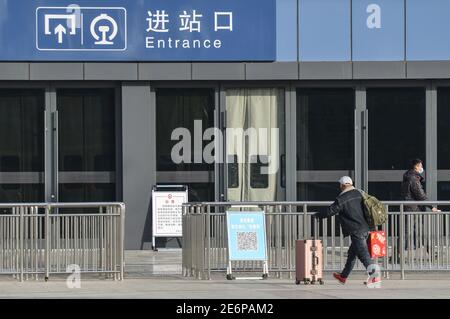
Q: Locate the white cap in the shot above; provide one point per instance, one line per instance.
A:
(345, 180)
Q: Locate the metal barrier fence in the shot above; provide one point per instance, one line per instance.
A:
(58, 238)
(424, 236)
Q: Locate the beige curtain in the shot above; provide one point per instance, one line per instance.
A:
(254, 109)
(236, 149)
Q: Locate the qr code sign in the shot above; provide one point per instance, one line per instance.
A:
(247, 241)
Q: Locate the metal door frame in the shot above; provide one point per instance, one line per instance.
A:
(187, 176)
(289, 129)
(51, 149)
(430, 132)
(40, 85)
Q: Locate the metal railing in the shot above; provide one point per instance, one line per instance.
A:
(47, 238)
(424, 236)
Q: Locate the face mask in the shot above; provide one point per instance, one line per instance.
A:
(421, 170)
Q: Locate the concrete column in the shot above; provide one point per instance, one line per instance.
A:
(139, 162)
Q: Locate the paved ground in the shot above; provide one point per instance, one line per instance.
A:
(157, 275)
(181, 288)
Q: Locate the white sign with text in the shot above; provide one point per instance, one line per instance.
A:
(167, 212)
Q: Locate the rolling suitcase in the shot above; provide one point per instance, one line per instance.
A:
(308, 261)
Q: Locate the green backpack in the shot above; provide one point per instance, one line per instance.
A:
(375, 211)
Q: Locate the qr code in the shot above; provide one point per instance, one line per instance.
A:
(247, 241)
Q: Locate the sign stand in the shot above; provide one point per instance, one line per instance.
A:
(167, 211)
(265, 274)
(247, 240)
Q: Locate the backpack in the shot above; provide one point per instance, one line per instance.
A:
(375, 211)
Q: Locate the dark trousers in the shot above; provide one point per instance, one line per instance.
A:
(412, 239)
(358, 249)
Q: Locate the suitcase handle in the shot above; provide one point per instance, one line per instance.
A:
(315, 228)
(315, 263)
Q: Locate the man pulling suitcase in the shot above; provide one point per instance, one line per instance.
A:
(350, 208)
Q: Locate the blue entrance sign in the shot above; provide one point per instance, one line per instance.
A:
(246, 236)
(125, 30)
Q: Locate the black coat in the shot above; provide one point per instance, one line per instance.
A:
(412, 190)
(350, 208)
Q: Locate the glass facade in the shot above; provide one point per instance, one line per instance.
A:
(325, 141)
(443, 143)
(186, 109)
(255, 144)
(396, 135)
(22, 145)
(325, 125)
(86, 145)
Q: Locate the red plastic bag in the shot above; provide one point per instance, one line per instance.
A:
(377, 244)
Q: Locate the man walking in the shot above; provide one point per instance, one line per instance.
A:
(349, 206)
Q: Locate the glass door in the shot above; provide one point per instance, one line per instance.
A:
(183, 115)
(325, 141)
(255, 144)
(22, 150)
(85, 145)
(443, 144)
(396, 134)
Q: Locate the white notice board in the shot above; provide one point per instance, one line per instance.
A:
(167, 210)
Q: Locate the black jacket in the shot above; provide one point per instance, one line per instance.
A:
(350, 208)
(412, 190)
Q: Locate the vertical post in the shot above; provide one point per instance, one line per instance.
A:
(21, 235)
(192, 243)
(365, 150)
(154, 214)
(402, 242)
(278, 231)
(291, 143)
(360, 107)
(305, 211)
(197, 240)
(183, 239)
(385, 227)
(208, 241)
(47, 242)
(201, 236)
(122, 240)
(431, 141)
(36, 240)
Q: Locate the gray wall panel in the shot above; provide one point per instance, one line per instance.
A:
(110, 71)
(272, 71)
(218, 71)
(428, 69)
(225, 71)
(14, 71)
(56, 71)
(379, 70)
(325, 70)
(138, 163)
(165, 71)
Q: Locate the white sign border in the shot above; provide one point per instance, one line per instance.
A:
(84, 50)
(154, 213)
(263, 212)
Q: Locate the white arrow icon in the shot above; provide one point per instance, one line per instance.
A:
(59, 30)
